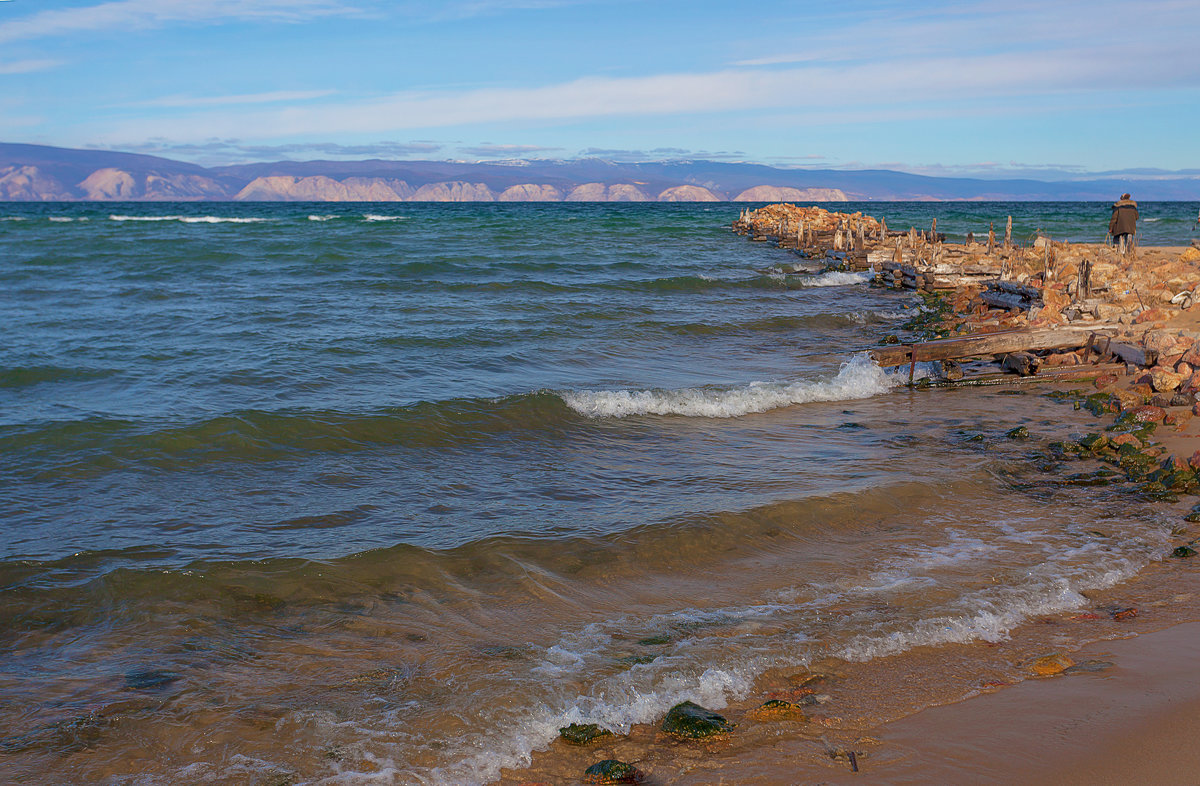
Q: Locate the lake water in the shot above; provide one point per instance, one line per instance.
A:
(308, 493)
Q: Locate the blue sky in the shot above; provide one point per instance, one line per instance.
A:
(1033, 88)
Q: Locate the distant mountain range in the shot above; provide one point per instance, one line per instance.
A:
(48, 174)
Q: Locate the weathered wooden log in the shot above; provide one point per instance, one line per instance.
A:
(991, 238)
(1005, 300)
(1008, 233)
(883, 231)
(1033, 293)
(1054, 374)
(981, 345)
(1083, 281)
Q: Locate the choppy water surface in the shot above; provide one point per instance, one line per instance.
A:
(331, 493)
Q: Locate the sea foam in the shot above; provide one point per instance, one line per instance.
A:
(858, 378)
(835, 278)
(193, 219)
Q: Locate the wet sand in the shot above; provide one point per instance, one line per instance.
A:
(1136, 722)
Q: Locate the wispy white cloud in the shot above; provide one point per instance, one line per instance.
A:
(488, 150)
(275, 97)
(909, 85)
(215, 152)
(141, 14)
(28, 66)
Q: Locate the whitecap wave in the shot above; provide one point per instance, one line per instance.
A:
(194, 219)
(320, 218)
(375, 217)
(12, 218)
(858, 378)
(836, 278)
(67, 219)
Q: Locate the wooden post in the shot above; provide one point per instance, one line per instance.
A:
(970, 238)
(882, 228)
(862, 235)
(1008, 234)
(799, 233)
(991, 237)
(933, 232)
(912, 237)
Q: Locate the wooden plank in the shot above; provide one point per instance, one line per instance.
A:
(983, 344)
(1058, 374)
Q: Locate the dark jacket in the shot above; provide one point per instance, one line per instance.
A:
(1124, 218)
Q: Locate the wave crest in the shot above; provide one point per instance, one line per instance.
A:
(858, 378)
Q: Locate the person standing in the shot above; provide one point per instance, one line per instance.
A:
(1123, 223)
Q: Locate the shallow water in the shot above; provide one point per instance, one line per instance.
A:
(326, 493)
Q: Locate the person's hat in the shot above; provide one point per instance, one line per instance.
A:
(1124, 196)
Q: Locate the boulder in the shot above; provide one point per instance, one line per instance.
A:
(1148, 414)
(1164, 380)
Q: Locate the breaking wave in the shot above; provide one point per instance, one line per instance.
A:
(194, 219)
(858, 378)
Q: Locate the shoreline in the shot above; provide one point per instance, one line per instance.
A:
(1132, 402)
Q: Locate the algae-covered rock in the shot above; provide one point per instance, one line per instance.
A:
(583, 733)
(694, 722)
(1049, 665)
(612, 771)
(1020, 432)
(1093, 442)
(778, 710)
(1192, 517)
(1183, 552)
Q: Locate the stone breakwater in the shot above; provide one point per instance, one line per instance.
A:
(1138, 311)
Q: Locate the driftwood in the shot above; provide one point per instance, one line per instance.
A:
(982, 345)
(1005, 300)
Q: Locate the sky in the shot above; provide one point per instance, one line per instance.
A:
(1037, 89)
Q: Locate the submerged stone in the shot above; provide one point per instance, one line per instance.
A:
(778, 710)
(692, 721)
(613, 771)
(1049, 665)
(1089, 666)
(150, 680)
(1020, 432)
(654, 641)
(583, 733)
(1183, 552)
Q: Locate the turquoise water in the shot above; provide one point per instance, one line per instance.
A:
(250, 453)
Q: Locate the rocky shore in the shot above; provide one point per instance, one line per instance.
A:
(1146, 444)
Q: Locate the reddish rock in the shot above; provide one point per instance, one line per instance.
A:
(1184, 370)
(1142, 388)
(1151, 315)
(1164, 380)
(1149, 414)
(1127, 399)
(1105, 380)
(1159, 341)
(1194, 461)
(1125, 439)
